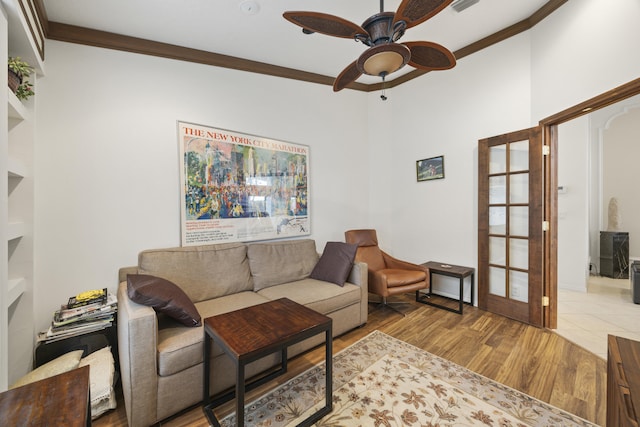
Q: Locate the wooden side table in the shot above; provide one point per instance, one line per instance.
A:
(447, 270)
(251, 333)
(61, 400)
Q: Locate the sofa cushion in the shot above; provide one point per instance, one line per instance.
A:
(164, 296)
(203, 272)
(274, 263)
(318, 295)
(180, 348)
(335, 263)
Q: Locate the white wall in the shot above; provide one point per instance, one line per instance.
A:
(573, 204)
(628, 129)
(107, 156)
(621, 152)
(583, 49)
(443, 113)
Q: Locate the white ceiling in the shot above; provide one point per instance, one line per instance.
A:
(263, 35)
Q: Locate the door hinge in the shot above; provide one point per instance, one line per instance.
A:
(545, 301)
(546, 150)
(545, 225)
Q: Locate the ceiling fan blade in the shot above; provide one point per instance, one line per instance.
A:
(346, 77)
(415, 12)
(430, 56)
(325, 24)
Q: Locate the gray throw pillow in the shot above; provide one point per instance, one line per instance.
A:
(335, 263)
(164, 296)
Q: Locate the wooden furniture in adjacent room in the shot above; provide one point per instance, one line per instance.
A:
(254, 332)
(623, 382)
(614, 254)
(61, 400)
(443, 269)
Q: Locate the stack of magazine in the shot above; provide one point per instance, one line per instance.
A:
(86, 312)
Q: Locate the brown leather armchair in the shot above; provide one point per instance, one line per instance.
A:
(387, 275)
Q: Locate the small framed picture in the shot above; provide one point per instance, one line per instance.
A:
(431, 168)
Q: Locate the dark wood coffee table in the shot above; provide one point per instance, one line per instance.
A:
(251, 333)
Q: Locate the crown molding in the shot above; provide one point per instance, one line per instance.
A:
(90, 37)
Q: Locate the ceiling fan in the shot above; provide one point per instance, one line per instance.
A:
(381, 32)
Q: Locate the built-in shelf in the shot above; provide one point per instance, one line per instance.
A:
(15, 230)
(21, 34)
(16, 288)
(16, 109)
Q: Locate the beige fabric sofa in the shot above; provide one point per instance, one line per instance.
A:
(161, 360)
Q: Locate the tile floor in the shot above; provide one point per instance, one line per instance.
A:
(586, 318)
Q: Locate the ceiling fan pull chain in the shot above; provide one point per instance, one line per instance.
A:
(383, 96)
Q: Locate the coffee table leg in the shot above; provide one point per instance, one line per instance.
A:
(240, 395)
(329, 369)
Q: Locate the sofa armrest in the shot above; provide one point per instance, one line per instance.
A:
(359, 276)
(122, 273)
(137, 349)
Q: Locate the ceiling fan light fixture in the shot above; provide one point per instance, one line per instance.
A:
(383, 59)
(380, 33)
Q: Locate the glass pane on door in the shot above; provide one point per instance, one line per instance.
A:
(519, 156)
(497, 220)
(497, 281)
(497, 159)
(519, 253)
(498, 250)
(519, 188)
(518, 286)
(519, 221)
(497, 189)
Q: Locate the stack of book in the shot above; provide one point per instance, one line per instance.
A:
(86, 312)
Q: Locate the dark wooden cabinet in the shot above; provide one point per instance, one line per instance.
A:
(614, 254)
(623, 382)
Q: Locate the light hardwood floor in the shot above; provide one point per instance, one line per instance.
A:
(535, 361)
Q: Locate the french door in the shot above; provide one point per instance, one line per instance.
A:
(510, 225)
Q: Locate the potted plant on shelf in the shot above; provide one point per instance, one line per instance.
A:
(19, 70)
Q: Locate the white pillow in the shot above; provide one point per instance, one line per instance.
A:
(101, 373)
(64, 363)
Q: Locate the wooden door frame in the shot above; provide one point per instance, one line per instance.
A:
(549, 130)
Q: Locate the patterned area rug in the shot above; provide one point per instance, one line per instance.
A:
(382, 381)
